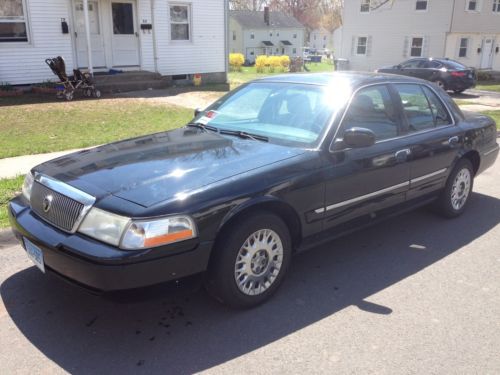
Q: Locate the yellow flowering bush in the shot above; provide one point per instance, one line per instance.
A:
(236, 60)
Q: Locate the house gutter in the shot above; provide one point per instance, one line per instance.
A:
(153, 35)
(226, 39)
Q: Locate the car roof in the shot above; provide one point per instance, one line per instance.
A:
(355, 79)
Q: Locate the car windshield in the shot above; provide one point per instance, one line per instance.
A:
(284, 113)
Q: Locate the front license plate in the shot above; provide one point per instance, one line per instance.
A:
(35, 254)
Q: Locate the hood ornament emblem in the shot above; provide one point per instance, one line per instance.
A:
(47, 203)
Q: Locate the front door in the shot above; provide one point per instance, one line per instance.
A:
(486, 53)
(362, 181)
(125, 38)
(96, 37)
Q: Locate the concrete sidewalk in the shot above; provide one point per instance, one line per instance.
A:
(20, 165)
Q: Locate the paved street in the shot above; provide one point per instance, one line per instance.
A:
(416, 294)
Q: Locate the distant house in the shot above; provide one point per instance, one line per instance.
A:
(320, 40)
(463, 30)
(264, 33)
(167, 37)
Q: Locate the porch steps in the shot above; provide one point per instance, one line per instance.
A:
(130, 81)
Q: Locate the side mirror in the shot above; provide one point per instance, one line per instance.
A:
(359, 137)
(197, 111)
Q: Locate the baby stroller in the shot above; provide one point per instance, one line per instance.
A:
(79, 81)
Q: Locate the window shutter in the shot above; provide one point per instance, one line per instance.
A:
(369, 46)
(425, 47)
(406, 46)
(353, 45)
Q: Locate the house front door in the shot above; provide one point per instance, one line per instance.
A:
(96, 37)
(125, 38)
(486, 53)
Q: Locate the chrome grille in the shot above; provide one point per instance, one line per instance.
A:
(63, 213)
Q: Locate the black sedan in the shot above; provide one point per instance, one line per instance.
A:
(447, 74)
(275, 167)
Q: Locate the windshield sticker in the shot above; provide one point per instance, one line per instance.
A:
(209, 116)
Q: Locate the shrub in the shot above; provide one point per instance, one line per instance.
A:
(285, 63)
(6, 86)
(274, 63)
(260, 63)
(483, 76)
(236, 60)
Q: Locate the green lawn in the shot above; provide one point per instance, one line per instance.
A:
(249, 73)
(495, 115)
(488, 86)
(8, 189)
(34, 128)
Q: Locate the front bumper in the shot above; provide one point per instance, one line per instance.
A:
(103, 268)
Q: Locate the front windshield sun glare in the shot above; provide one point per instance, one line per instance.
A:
(284, 113)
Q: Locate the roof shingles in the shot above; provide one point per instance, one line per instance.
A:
(255, 20)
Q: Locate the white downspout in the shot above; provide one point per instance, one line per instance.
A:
(226, 38)
(87, 35)
(153, 35)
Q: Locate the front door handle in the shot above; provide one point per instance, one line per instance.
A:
(453, 141)
(402, 155)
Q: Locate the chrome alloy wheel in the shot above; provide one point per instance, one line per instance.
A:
(460, 189)
(258, 262)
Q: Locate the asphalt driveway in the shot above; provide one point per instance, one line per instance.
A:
(415, 294)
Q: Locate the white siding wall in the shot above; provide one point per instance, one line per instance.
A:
(146, 38)
(205, 53)
(320, 39)
(264, 35)
(25, 62)
(235, 46)
(473, 58)
(389, 30)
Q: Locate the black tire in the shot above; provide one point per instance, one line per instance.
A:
(444, 205)
(458, 91)
(440, 84)
(221, 281)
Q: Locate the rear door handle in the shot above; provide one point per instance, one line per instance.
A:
(402, 155)
(453, 141)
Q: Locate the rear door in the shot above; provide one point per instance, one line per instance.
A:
(431, 136)
(360, 181)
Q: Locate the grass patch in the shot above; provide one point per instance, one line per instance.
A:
(35, 128)
(489, 86)
(248, 73)
(9, 188)
(495, 115)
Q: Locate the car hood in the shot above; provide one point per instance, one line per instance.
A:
(154, 168)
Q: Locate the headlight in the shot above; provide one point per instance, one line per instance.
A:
(104, 226)
(130, 234)
(157, 232)
(28, 185)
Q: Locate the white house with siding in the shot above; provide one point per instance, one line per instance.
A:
(173, 38)
(464, 30)
(320, 39)
(264, 33)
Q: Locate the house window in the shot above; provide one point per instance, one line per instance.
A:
(417, 45)
(472, 5)
(294, 51)
(251, 53)
(365, 6)
(294, 36)
(180, 20)
(270, 34)
(421, 5)
(13, 22)
(234, 35)
(252, 36)
(496, 6)
(324, 37)
(277, 34)
(361, 45)
(464, 43)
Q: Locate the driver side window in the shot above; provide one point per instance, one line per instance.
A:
(372, 108)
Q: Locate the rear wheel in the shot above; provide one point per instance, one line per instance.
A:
(456, 194)
(440, 84)
(250, 260)
(458, 91)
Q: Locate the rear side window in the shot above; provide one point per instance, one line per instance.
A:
(422, 108)
(372, 108)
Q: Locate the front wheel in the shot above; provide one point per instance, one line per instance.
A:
(250, 260)
(453, 200)
(440, 84)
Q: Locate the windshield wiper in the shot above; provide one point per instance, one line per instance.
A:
(242, 134)
(201, 126)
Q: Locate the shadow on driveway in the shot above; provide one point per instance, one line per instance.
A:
(86, 334)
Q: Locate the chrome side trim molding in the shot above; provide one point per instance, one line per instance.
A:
(490, 151)
(426, 176)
